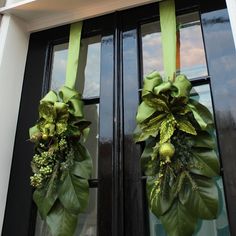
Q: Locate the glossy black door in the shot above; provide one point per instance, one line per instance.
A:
(122, 207)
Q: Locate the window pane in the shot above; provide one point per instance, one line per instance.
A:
(92, 114)
(218, 227)
(192, 56)
(87, 222)
(59, 62)
(88, 81)
(89, 67)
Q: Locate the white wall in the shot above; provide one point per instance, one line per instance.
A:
(13, 50)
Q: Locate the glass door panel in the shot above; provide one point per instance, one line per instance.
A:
(88, 83)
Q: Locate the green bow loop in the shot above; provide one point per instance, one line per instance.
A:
(51, 96)
(76, 107)
(164, 86)
(150, 81)
(73, 99)
(182, 87)
(66, 94)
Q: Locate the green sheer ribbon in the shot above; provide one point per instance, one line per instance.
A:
(73, 54)
(168, 37)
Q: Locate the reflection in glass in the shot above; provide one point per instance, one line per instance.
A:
(89, 67)
(59, 62)
(87, 222)
(192, 60)
(218, 227)
(91, 113)
(88, 82)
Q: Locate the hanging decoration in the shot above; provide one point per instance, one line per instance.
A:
(179, 158)
(61, 165)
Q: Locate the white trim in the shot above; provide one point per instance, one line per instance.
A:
(231, 6)
(13, 51)
(42, 14)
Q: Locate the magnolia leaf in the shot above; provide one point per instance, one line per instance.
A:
(139, 135)
(81, 154)
(148, 166)
(203, 200)
(204, 140)
(82, 169)
(159, 201)
(44, 200)
(144, 112)
(201, 114)
(178, 220)
(155, 151)
(205, 162)
(61, 222)
(73, 193)
(166, 130)
(186, 126)
(85, 133)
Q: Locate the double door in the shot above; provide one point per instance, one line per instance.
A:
(117, 50)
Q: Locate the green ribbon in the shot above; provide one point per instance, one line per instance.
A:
(154, 87)
(168, 37)
(73, 54)
(54, 112)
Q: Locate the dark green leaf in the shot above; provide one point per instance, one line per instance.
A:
(160, 200)
(205, 162)
(178, 220)
(82, 169)
(157, 103)
(186, 126)
(139, 135)
(203, 200)
(44, 200)
(201, 114)
(144, 112)
(61, 222)
(204, 140)
(73, 193)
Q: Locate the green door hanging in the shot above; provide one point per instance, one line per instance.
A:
(61, 165)
(179, 158)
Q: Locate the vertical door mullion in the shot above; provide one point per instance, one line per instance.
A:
(118, 189)
(135, 206)
(106, 134)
